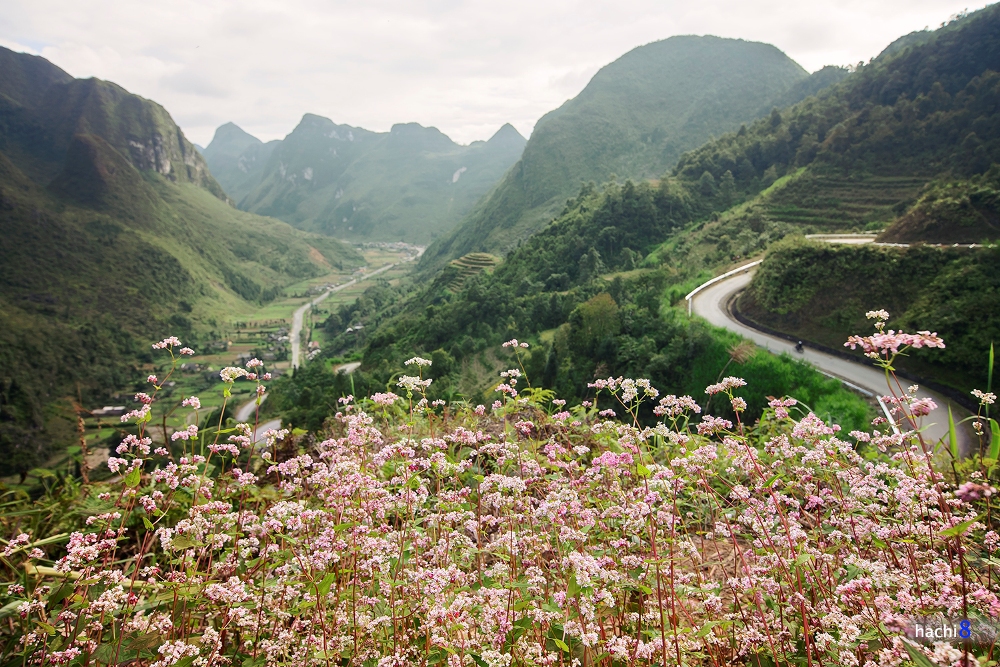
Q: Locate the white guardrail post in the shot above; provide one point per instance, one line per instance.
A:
(716, 279)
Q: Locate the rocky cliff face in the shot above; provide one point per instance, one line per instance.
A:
(43, 109)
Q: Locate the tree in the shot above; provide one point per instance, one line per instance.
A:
(597, 319)
(706, 184)
(591, 265)
(727, 188)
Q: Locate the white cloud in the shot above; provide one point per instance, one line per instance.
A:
(465, 67)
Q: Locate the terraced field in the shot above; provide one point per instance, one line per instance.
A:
(469, 265)
(840, 204)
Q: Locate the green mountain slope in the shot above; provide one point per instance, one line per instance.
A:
(859, 154)
(113, 232)
(42, 114)
(412, 183)
(634, 119)
(581, 293)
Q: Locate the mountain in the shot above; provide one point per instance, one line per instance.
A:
(114, 232)
(43, 111)
(237, 159)
(633, 120)
(412, 183)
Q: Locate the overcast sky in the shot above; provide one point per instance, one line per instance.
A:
(465, 67)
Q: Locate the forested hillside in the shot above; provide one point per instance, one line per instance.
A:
(584, 296)
(114, 231)
(634, 120)
(410, 184)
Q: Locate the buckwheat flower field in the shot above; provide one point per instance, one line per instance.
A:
(635, 530)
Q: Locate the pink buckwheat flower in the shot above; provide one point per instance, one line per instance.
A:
(189, 433)
(922, 407)
(727, 384)
(172, 341)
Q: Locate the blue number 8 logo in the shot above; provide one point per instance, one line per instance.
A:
(965, 629)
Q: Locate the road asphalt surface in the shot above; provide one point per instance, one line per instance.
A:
(711, 304)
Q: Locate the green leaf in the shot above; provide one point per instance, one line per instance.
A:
(133, 477)
(643, 471)
(994, 450)
(917, 656)
(705, 629)
(324, 586)
(958, 528)
(104, 653)
(148, 640)
(58, 595)
(952, 434)
(802, 559)
(45, 626)
(563, 646)
(184, 542)
(574, 588)
(147, 523)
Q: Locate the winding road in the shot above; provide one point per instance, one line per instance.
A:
(711, 303)
(300, 313)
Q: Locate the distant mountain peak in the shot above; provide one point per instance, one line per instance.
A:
(231, 130)
(230, 139)
(416, 136)
(507, 134)
(412, 182)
